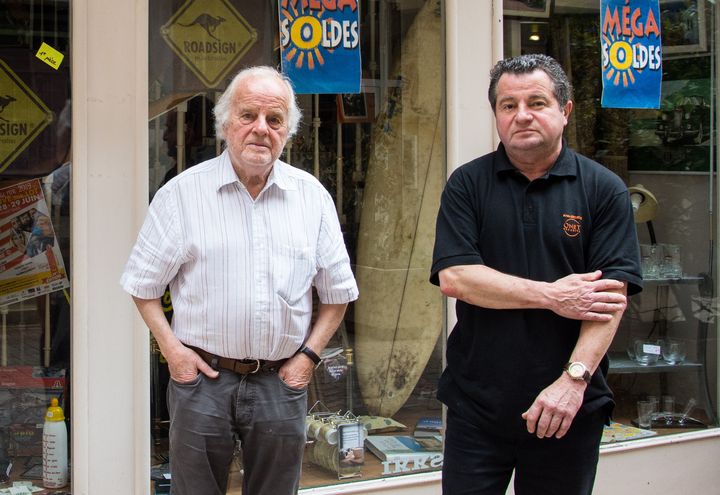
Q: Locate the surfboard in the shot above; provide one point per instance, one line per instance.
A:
(398, 317)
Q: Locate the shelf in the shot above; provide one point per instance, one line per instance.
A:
(684, 280)
(620, 363)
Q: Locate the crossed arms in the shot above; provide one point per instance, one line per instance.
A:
(599, 303)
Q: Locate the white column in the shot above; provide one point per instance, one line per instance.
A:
(110, 358)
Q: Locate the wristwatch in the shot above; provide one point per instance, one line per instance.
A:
(578, 371)
(311, 354)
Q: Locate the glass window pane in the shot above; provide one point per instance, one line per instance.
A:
(663, 351)
(381, 155)
(35, 172)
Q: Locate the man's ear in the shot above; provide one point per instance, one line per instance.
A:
(567, 110)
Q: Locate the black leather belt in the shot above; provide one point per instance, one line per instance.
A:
(240, 366)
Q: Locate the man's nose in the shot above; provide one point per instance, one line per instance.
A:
(260, 125)
(523, 112)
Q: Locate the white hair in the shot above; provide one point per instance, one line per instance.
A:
(224, 103)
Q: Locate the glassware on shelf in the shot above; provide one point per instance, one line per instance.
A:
(674, 351)
(650, 258)
(670, 267)
(647, 352)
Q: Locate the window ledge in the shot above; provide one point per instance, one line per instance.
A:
(376, 485)
(659, 441)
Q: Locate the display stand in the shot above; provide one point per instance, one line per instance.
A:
(622, 364)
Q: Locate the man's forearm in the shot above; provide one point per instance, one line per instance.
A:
(329, 318)
(483, 286)
(579, 296)
(154, 317)
(595, 339)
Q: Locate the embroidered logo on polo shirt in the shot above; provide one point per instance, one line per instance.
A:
(572, 225)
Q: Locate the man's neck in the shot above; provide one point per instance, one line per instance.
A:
(254, 183)
(534, 165)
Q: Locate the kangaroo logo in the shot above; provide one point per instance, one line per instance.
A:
(207, 22)
(4, 102)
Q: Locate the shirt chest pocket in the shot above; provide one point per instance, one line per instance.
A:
(293, 269)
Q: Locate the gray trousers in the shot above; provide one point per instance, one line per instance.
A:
(208, 415)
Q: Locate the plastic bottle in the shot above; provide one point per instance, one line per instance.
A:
(55, 447)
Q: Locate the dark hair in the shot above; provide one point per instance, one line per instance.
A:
(524, 64)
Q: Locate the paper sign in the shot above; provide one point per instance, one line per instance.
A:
(50, 56)
(320, 45)
(631, 53)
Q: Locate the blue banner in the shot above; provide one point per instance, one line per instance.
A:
(631, 53)
(320, 45)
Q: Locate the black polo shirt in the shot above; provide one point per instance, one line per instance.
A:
(575, 219)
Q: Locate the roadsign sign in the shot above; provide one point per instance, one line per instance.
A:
(22, 116)
(209, 36)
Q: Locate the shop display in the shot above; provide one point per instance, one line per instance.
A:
(337, 441)
(403, 454)
(398, 317)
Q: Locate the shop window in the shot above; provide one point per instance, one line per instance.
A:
(381, 155)
(665, 351)
(35, 172)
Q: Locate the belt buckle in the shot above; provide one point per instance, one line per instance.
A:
(257, 367)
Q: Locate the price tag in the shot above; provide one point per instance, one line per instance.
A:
(50, 56)
(651, 349)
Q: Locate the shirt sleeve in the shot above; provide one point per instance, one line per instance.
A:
(457, 228)
(334, 280)
(157, 255)
(614, 245)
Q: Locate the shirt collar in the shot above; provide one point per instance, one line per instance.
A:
(279, 175)
(564, 166)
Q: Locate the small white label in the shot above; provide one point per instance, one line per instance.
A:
(651, 349)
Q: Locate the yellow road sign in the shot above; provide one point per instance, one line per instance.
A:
(209, 36)
(22, 116)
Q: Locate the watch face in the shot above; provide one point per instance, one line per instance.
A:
(576, 370)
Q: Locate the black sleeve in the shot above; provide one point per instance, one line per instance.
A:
(457, 228)
(614, 245)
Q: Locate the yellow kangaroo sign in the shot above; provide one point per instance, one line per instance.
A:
(209, 36)
(22, 116)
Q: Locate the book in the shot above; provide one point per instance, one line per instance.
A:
(429, 423)
(428, 427)
(618, 432)
(392, 447)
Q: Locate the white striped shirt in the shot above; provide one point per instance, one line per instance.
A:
(241, 270)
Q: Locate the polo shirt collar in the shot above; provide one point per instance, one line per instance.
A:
(278, 175)
(564, 166)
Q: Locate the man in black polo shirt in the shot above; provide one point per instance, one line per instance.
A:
(538, 245)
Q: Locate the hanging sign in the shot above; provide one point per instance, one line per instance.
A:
(631, 53)
(209, 36)
(30, 260)
(320, 45)
(22, 116)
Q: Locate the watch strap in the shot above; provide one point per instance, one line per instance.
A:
(311, 354)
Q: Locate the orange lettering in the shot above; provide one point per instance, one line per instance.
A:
(651, 25)
(611, 22)
(637, 27)
(347, 3)
(626, 21)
